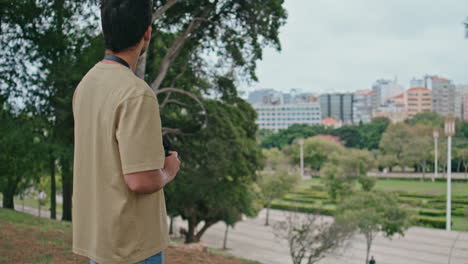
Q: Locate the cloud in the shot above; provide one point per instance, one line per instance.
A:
(342, 45)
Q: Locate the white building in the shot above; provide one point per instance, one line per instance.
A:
(383, 89)
(446, 97)
(282, 116)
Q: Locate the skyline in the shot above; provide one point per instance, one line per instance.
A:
(357, 43)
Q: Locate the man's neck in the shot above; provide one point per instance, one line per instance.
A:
(130, 56)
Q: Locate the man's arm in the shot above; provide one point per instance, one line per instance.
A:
(147, 182)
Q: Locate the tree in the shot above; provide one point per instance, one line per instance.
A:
(462, 154)
(19, 154)
(54, 56)
(372, 213)
(395, 141)
(51, 58)
(287, 136)
(317, 150)
(419, 149)
(312, 237)
(428, 118)
(217, 179)
(387, 161)
(275, 180)
(274, 185)
(371, 133)
(342, 170)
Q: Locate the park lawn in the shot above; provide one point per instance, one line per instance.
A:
(425, 199)
(410, 186)
(427, 187)
(34, 240)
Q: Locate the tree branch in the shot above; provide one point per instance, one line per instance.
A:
(163, 9)
(141, 65)
(167, 130)
(176, 47)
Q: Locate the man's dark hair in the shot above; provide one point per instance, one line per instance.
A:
(124, 22)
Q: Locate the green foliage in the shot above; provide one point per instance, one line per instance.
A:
(372, 213)
(317, 150)
(363, 136)
(210, 187)
(19, 156)
(287, 136)
(342, 171)
(428, 119)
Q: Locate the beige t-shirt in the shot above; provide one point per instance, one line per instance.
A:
(117, 131)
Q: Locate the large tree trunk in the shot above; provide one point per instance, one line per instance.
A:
(67, 183)
(8, 200)
(53, 188)
(225, 237)
(190, 234)
(171, 226)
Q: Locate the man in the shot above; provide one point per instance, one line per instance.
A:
(120, 169)
(372, 261)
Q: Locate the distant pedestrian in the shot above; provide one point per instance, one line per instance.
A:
(372, 260)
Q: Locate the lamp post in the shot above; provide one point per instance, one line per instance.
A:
(301, 143)
(436, 156)
(449, 132)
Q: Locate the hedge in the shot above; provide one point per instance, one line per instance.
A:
(303, 208)
(435, 222)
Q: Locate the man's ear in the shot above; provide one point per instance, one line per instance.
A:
(147, 35)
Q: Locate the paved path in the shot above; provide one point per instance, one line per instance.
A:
(251, 239)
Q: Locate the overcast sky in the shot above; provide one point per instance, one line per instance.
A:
(345, 45)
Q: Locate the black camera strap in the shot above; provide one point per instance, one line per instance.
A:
(116, 59)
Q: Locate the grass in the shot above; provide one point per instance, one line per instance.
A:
(434, 188)
(425, 199)
(29, 239)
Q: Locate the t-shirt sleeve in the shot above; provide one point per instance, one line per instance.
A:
(139, 134)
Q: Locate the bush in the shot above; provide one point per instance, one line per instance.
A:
(435, 222)
(418, 195)
(432, 212)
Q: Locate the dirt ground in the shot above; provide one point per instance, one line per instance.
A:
(29, 240)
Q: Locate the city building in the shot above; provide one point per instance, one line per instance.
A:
(331, 122)
(362, 107)
(393, 116)
(265, 96)
(446, 98)
(282, 116)
(415, 83)
(463, 89)
(465, 107)
(394, 108)
(384, 89)
(338, 106)
(418, 100)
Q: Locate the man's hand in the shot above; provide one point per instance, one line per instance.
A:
(172, 164)
(147, 182)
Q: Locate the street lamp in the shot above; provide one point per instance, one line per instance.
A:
(436, 156)
(301, 143)
(449, 132)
